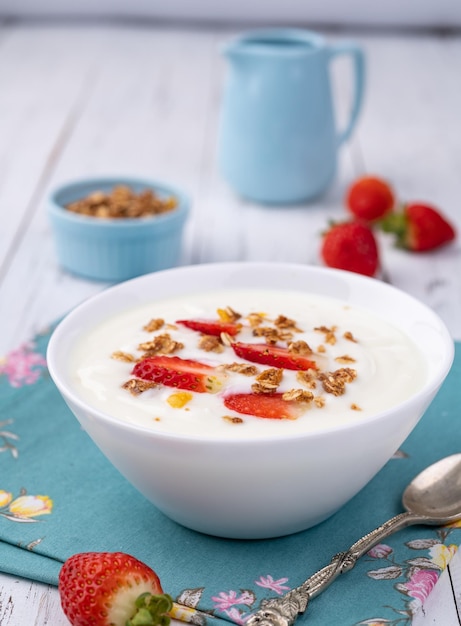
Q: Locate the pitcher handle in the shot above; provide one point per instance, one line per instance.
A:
(358, 59)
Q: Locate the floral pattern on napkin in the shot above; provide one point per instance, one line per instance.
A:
(24, 507)
(8, 438)
(420, 573)
(23, 366)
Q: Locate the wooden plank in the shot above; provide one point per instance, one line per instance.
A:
(455, 581)
(39, 104)
(101, 129)
(107, 135)
(410, 134)
(439, 609)
(26, 602)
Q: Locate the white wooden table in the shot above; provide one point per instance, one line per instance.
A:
(79, 100)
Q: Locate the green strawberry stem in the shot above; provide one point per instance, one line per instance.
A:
(151, 610)
(395, 223)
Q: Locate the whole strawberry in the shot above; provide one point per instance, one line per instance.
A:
(419, 227)
(351, 246)
(111, 589)
(370, 198)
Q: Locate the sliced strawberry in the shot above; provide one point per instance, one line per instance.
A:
(272, 356)
(173, 371)
(211, 327)
(271, 406)
(111, 589)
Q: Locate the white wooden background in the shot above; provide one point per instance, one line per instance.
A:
(136, 99)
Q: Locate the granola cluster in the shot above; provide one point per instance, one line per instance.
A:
(159, 344)
(136, 386)
(313, 384)
(122, 202)
(283, 329)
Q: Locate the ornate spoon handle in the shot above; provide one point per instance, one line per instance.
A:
(283, 611)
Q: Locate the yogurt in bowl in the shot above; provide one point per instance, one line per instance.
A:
(343, 364)
(250, 400)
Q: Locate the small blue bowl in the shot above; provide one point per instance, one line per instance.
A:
(114, 250)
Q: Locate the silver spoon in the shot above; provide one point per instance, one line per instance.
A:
(433, 498)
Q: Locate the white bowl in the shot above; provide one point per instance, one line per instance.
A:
(260, 487)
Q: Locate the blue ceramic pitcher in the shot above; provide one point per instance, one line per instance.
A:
(278, 138)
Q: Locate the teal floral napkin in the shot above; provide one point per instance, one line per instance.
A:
(59, 496)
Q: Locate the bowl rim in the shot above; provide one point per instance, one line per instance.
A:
(429, 387)
(57, 210)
